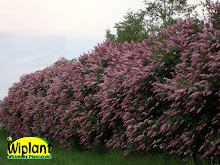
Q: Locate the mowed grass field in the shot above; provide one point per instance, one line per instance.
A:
(75, 157)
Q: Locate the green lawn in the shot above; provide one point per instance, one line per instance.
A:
(74, 157)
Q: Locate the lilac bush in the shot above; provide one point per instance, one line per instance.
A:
(160, 94)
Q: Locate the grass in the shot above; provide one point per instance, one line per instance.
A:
(74, 157)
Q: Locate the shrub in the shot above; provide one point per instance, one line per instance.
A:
(160, 94)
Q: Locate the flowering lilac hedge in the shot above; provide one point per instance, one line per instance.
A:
(162, 93)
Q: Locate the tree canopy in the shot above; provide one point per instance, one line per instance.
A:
(138, 25)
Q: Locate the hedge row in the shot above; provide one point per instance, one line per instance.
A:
(161, 94)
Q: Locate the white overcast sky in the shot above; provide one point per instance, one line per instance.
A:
(36, 33)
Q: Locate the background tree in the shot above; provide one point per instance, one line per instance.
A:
(160, 13)
(109, 35)
(131, 29)
(213, 10)
(157, 14)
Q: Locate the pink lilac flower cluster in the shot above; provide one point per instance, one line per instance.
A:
(162, 93)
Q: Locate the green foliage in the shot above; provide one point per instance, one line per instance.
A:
(131, 29)
(137, 26)
(164, 12)
(109, 35)
(214, 14)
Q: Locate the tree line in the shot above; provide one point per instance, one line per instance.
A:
(156, 14)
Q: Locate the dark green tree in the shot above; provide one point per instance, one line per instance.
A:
(109, 35)
(131, 29)
(157, 14)
(160, 13)
(213, 9)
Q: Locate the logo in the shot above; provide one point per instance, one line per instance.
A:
(29, 148)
